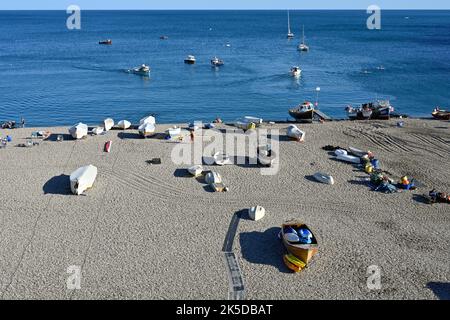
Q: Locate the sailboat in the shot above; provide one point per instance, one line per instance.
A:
(302, 46)
(290, 35)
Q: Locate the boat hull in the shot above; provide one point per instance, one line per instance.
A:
(304, 252)
(302, 116)
(441, 115)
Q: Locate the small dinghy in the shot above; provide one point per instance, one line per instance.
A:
(266, 156)
(299, 240)
(108, 146)
(146, 129)
(108, 124)
(149, 119)
(357, 152)
(340, 152)
(295, 133)
(83, 179)
(124, 124)
(221, 159)
(196, 170)
(79, 131)
(98, 130)
(348, 158)
(256, 213)
(323, 178)
(213, 178)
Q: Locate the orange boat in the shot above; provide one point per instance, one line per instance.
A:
(302, 251)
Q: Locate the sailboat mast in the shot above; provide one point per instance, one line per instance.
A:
(289, 23)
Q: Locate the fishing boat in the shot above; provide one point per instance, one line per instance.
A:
(124, 124)
(305, 111)
(79, 131)
(265, 155)
(293, 242)
(290, 34)
(295, 133)
(378, 110)
(296, 71)
(323, 178)
(303, 46)
(83, 179)
(106, 42)
(256, 213)
(190, 60)
(216, 62)
(221, 159)
(143, 70)
(108, 124)
(213, 178)
(98, 130)
(441, 114)
(146, 129)
(164, 38)
(108, 146)
(196, 170)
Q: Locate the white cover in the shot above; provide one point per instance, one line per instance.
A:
(294, 132)
(79, 131)
(256, 213)
(108, 124)
(97, 130)
(148, 119)
(340, 152)
(221, 159)
(146, 129)
(173, 132)
(196, 170)
(324, 178)
(124, 124)
(213, 177)
(82, 179)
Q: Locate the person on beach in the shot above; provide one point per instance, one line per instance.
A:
(192, 135)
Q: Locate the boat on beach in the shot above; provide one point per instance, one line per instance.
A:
(213, 177)
(79, 131)
(256, 213)
(98, 130)
(108, 146)
(146, 129)
(196, 170)
(323, 178)
(221, 159)
(148, 119)
(378, 110)
(190, 59)
(124, 124)
(290, 232)
(303, 112)
(82, 179)
(295, 133)
(108, 124)
(441, 114)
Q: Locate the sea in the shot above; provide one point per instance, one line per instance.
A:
(51, 75)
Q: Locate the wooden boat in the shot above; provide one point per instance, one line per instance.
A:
(349, 158)
(265, 155)
(146, 129)
(108, 146)
(79, 131)
(303, 112)
(323, 178)
(196, 170)
(98, 130)
(106, 42)
(256, 213)
(295, 133)
(83, 179)
(108, 124)
(304, 252)
(124, 124)
(441, 114)
(213, 178)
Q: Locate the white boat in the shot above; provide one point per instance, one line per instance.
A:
(295, 133)
(146, 129)
(290, 34)
(256, 213)
(255, 120)
(98, 130)
(173, 132)
(324, 178)
(149, 119)
(340, 152)
(196, 170)
(78, 131)
(124, 124)
(83, 179)
(108, 124)
(143, 70)
(216, 62)
(302, 46)
(357, 152)
(265, 155)
(221, 159)
(348, 158)
(296, 72)
(248, 122)
(213, 178)
(190, 60)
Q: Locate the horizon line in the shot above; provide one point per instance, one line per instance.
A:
(298, 9)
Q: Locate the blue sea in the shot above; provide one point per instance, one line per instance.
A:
(54, 76)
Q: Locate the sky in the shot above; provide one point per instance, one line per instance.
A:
(224, 4)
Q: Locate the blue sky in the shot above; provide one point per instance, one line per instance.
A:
(224, 4)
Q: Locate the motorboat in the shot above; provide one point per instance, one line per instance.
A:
(190, 60)
(441, 114)
(79, 131)
(303, 46)
(323, 178)
(148, 119)
(213, 177)
(106, 42)
(290, 34)
(256, 213)
(146, 129)
(303, 112)
(164, 37)
(295, 133)
(221, 159)
(83, 179)
(265, 155)
(143, 70)
(196, 170)
(296, 71)
(124, 124)
(216, 62)
(378, 110)
(108, 124)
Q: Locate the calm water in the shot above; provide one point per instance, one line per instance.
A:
(53, 76)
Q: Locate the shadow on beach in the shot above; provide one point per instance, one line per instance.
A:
(440, 289)
(57, 185)
(263, 248)
(128, 135)
(54, 137)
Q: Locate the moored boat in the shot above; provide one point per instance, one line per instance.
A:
(190, 59)
(290, 34)
(441, 114)
(303, 46)
(106, 42)
(304, 112)
(146, 129)
(216, 62)
(296, 71)
(299, 240)
(83, 179)
(143, 70)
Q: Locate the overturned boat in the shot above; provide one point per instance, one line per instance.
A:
(323, 178)
(148, 119)
(295, 133)
(256, 213)
(221, 159)
(98, 130)
(146, 129)
(83, 179)
(196, 170)
(108, 124)
(124, 124)
(79, 131)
